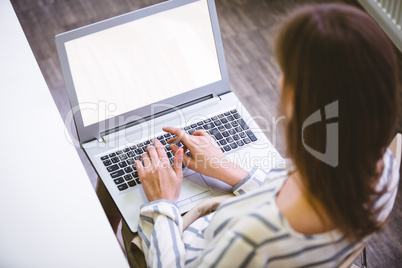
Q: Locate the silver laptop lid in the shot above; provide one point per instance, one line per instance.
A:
(142, 63)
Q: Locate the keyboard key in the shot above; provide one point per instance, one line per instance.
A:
(223, 150)
(123, 157)
(223, 142)
(187, 128)
(134, 174)
(234, 124)
(191, 131)
(112, 168)
(193, 125)
(141, 144)
(225, 134)
(209, 125)
(128, 177)
(246, 140)
(132, 183)
(104, 157)
(229, 140)
(169, 154)
(147, 142)
(240, 143)
(128, 169)
(227, 148)
(221, 128)
(217, 123)
(123, 164)
(238, 129)
(167, 135)
(119, 180)
(122, 187)
(214, 118)
(230, 118)
(160, 137)
(233, 111)
(107, 163)
(237, 116)
(242, 124)
(232, 131)
(227, 113)
(220, 116)
(167, 147)
(207, 120)
(119, 152)
(200, 123)
(144, 149)
(126, 150)
(139, 151)
(180, 144)
(138, 157)
(242, 135)
(233, 145)
(228, 126)
(224, 120)
(133, 167)
(115, 159)
(163, 142)
(250, 134)
(133, 147)
(131, 154)
(117, 173)
(214, 131)
(236, 137)
(130, 161)
(218, 136)
(112, 154)
(198, 128)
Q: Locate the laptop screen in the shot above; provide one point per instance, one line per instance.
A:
(144, 61)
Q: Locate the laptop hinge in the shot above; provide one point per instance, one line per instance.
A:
(102, 136)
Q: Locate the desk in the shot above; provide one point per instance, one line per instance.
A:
(49, 213)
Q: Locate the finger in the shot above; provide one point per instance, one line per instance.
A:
(140, 168)
(146, 161)
(178, 161)
(200, 132)
(160, 149)
(153, 155)
(181, 135)
(186, 159)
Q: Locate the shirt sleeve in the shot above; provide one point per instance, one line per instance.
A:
(256, 178)
(161, 228)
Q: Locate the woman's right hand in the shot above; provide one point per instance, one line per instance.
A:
(206, 156)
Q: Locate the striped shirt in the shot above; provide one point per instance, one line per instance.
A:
(247, 230)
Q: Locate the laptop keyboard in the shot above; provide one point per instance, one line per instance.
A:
(228, 129)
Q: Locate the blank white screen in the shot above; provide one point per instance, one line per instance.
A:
(144, 61)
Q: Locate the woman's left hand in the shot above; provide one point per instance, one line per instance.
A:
(159, 180)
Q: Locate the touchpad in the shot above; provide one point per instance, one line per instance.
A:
(193, 185)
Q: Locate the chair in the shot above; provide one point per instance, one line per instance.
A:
(396, 149)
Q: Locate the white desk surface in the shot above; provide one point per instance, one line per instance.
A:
(49, 213)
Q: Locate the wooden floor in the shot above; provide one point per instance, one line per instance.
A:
(247, 28)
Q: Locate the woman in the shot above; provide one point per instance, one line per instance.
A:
(316, 213)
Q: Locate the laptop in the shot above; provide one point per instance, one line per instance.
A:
(164, 65)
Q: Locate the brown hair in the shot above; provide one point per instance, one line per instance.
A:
(329, 53)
